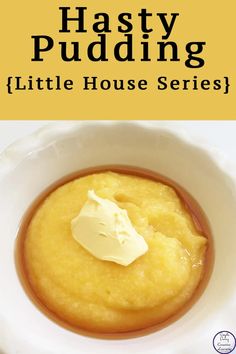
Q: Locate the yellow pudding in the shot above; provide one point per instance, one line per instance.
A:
(106, 297)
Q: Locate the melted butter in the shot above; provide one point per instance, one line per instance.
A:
(106, 231)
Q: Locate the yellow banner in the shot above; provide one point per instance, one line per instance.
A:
(117, 60)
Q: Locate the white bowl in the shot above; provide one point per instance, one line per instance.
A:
(28, 166)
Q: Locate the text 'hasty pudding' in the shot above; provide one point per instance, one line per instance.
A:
(139, 35)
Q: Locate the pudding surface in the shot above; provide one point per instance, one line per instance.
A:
(106, 297)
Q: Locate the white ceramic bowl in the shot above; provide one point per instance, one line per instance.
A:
(28, 166)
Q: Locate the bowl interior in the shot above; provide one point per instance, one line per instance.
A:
(123, 144)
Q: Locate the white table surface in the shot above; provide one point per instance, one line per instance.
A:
(220, 134)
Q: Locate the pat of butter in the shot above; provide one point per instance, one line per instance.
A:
(105, 231)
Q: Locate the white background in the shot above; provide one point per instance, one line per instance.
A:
(220, 134)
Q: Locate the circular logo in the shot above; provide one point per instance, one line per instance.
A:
(224, 342)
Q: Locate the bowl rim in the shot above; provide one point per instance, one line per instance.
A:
(17, 151)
